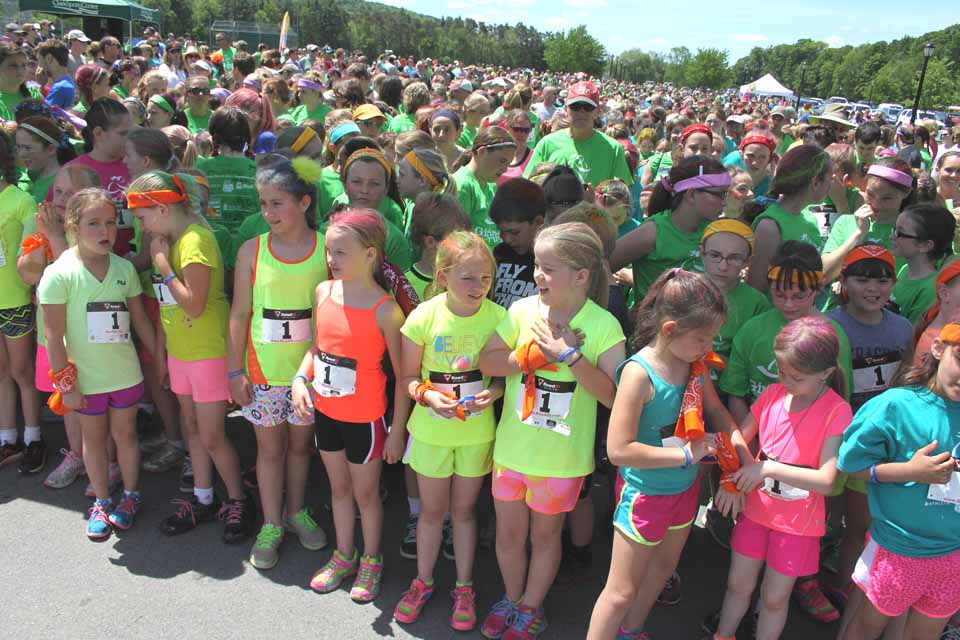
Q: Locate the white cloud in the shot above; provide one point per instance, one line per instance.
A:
(460, 5)
(748, 37)
(833, 41)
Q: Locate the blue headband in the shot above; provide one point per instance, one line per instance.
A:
(343, 129)
(446, 113)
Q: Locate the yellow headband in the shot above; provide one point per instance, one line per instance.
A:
(729, 225)
(303, 139)
(374, 154)
(421, 168)
(805, 279)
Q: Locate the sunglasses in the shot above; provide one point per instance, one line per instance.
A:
(902, 234)
(521, 129)
(581, 106)
(198, 91)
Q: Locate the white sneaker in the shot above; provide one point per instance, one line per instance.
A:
(67, 472)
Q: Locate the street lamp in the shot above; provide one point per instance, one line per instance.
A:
(927, 52)
(803, 76)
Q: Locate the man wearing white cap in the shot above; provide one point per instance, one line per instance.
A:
(77, 41)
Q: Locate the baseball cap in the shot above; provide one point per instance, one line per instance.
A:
(584, 91)
(312, 47)
(781, 110)
(12, 26)
(735, 118)
(77, 34)
(464, 85)
(367, 112)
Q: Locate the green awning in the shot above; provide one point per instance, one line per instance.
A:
(122, 9)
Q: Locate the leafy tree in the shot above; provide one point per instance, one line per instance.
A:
(676, 65)
(575, 50)
(708, 68)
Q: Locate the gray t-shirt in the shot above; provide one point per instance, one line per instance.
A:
(876, 349)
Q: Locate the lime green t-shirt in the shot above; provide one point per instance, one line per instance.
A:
(914, 297)
(233, 188)
(660, 165)
(228, 54)
(743, 303)
(16, 215)
(451, 361)
(418, 281)
(557, 439)
(205, 337)
(301, 114)
(673, 248)
(328, 188)
(475, 198)
(98, 329)
(595, 159)
(9, 101)
(402, 122)
(196, 124)
(467, 136)
(802, 227)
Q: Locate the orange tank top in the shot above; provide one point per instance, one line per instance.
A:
(348, 378)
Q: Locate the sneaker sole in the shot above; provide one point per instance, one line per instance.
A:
(407, 555)
(39, 468)
(314, 547)
(99, 537)
(365, 599)
(51, 485)
(447, 555)
(11, 459)
(264, 567)
(331, 588)
(119, 526)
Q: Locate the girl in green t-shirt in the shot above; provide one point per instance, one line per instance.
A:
(922, 237)
(42, 148)
(434, 216)
(492, 151)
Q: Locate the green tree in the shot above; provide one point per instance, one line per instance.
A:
(708, 68)
(575, 50)
(676, 65)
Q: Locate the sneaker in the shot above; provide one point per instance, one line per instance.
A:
(838, 596)
(239, 518)
(113, 482)
(810, 599)
(408, 545)
(307, 530)
(672, 592)
(151, 443)
(34, 457)
(626, 634)
(366, 587)
(719, 527)
(189, 514)
(10, 453)
(124, 513)
(952, 632)
(67, 472)
(528, 623)
(412, 602)
(447, 546)
(186, 475)
(332, 574)
(464, 616)
(266, 550)
(250, 478)
(711, 623)
(163, 459)
(98, 526)
(498, 619)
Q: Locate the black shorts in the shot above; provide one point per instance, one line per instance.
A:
(17, 322)
(363, 441)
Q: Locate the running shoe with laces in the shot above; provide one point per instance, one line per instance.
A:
(528, 623)
(266, 549)
(239, 518)
(67, 472)
(366, 586)
(186, 475)
(152, 442)
(672, 592)
(34, 457)
(114, 480)
(447, 546)
(10, 453)
(98, 525)
(408, 544)
(311, 536)
(497, 621)
(189, 514)
(126, 510)
(337, 569)
(810, 599)
(163, 459)
(414, 599)
(464, 617)
(951, 632)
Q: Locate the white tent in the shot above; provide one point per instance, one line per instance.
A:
(766, 86)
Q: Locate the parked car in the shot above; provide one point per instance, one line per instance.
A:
(836, 100)
(890, 111)
(904, 117)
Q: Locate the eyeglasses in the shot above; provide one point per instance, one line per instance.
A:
(198, 91)
(521, 129)
(581, 106)
(897, 233)
(734, 259)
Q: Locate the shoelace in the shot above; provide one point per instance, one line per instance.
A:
(365, 576)
(232, 512)
(305, 520)
(463, 598)
(411, 529)
(184, 509)
(267, 537)
(97, 512)
(127, 505)
(524, 621)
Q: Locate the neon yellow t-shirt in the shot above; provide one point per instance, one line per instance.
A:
(16, 214)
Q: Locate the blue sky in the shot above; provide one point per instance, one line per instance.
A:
(737, 27)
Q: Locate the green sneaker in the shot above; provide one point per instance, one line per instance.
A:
(307, 530)
(266, 550)
(367, 585)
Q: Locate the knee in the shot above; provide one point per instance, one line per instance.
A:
(341, 487)
(432, 513)
(543, 537)
(270, 452)
(462, 513)
(621, 595)
(775, 602)
(212, 439)
(298, 447)
(367, 496)
(511, 537)
(741, 586)
(22, 372)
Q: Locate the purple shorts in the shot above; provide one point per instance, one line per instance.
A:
(646, 519)
(98, 403)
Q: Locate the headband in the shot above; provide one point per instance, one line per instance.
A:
(805, 279)
(374, 154)
(867, 251)
(342, 129)
(494, 146)
(446, 113)
(421, 168)
(202, 180)
(950, 333)
(696, 128)
(891, 174)
(306, 83)
(39, 133)
(303, 139)
(946, 274)
(161, 102)
(729, 225)
(153, 198)
(764, 140)
(702, 181)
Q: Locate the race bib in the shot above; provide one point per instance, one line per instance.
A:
(334, 376)
(162, 292)
(108, 322)
(826, 217)
(667, 439)
(873, 373)
(124, 218)
(948, 492)
(462, 384)
(552, 405)
(286, 326)
(783, 491)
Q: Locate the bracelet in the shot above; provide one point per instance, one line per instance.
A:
(577, 361)
(873, 474)
(235, 373)
(566, 353)
(300, 376)
(687, 458)
(167, 278)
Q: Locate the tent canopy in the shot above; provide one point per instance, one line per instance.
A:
(120, 9)
(766, 86)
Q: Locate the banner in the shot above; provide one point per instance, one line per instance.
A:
(284, 28)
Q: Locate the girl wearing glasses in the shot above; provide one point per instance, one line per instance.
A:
(518, 122)
(13, 76)
(198, 104)
(124, 79)
(922, 237)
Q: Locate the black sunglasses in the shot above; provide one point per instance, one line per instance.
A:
(901, 234)
(581, 106)
(198, 91)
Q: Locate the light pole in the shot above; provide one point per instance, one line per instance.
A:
(927, 52)
(803, 77)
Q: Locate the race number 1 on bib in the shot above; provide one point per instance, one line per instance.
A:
(873, 373)
(286, 326)
(462, 384)
(108, 322)
(334, 376)
(162, 292)
(552, 405)
(783, 491)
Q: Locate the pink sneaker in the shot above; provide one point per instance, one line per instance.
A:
(464, 616)
(413, 601)
(337, 569)
(367, 585)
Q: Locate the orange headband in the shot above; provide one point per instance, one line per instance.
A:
(153, 198)
(303, 139)
(374, 154)
(811, 279)
(946, 274)
(867, 251)
(421, 168)
(951, 333)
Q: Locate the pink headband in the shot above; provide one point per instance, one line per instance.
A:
(891, 174)
(305, 83)
(702, 181)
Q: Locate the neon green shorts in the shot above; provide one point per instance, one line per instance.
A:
(845, 482)
(468, 461)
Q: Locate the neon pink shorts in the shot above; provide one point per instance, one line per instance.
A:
(549, 496)
(99, 403)
(41, 376)
(895, 583)
(645, 519)
(204, 380)
(785, 553)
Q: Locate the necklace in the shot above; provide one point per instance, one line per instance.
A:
(803, 417)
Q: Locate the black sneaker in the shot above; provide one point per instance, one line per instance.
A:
(10, 453)
(672, 592)
(447, 540)
(189, 514)
(34, 457)
(239, 518)
(408, 545)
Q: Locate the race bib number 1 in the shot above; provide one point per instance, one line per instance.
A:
(783, 491)
(462, 384)
(552, 405)
(286, 326)
(162, 292)
(108, 322)
(873, 373)
(334, 376)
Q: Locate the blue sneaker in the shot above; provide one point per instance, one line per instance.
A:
(123, 513)
(98, 526)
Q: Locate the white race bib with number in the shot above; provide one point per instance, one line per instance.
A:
(334, 376)
(947, 492)
(461, 384)
(667, 439)
(108, 322)
(162, 292)
(286, 326)
(124, 218)
(552, 405)
(783, 491)
(872, 374)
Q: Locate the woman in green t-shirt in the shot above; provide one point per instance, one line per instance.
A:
(492, 151)
(124, 79)
(13, 77)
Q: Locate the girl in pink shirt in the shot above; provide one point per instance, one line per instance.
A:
(800, 423)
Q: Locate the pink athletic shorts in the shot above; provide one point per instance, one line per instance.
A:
(204, 380)
(785, 553)
(41, 376)
(549, 496)
(645, 519)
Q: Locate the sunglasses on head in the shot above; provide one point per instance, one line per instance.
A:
(581, 106)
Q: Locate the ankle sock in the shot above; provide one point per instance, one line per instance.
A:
(414, 506)
(9, 436)
(31, 434)
(204, 496)
(131, 494)
(468, 583)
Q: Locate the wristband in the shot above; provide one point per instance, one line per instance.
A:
(167, 278)
(873, 474)
(687, 458)
(300, 376)
(235, 373)
(577, 361)
(566, 353)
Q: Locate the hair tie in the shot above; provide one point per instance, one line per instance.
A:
(666, 185)
(143, 199)
(366, 152)
(756, 139)
(950, 333)
(695, 128)
(867, 251)
(306, 83)
(729, 225)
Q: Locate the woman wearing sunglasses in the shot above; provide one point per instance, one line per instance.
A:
(13, 76)
(518, 123)
(198, 104)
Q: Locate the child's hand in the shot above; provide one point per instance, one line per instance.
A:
(729, 504)
(624, 277)
(302, 403)
(159, 246)
(162, 372)
(705, 446)
(74, 401)
(864, 216)
(748, 477)
(48, 222)
(241, 390)
(480, 402)
(394, 447)
(553, 340)
(931, 469)
(440, 403)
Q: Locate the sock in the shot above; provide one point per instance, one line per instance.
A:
(428, 583)
(131, 494)
(9, 436)
(204, 496)
(146, 407)
(412, 503)
(31, 434)
(468, 583)
(179, 444)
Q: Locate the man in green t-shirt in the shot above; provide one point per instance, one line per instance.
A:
(226, 50)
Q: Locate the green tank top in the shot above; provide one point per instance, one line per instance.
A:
(802, 226)
(281, 326)
(674, 248)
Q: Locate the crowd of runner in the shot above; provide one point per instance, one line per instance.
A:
(507, 280)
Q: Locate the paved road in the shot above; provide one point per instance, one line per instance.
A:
(142, 584)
